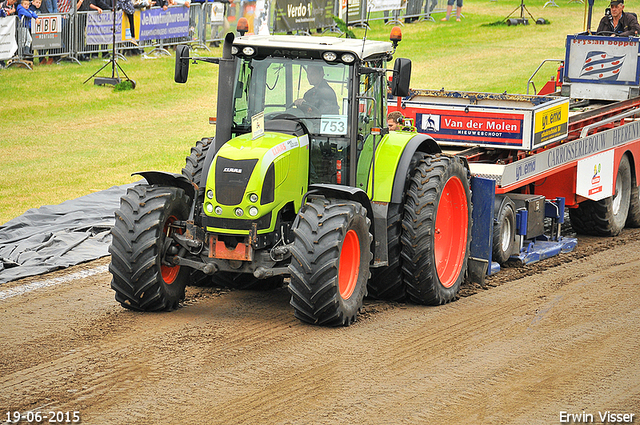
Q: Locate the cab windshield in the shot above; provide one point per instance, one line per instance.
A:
(312, 92)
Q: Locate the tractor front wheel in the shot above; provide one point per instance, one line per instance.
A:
(329, 268)
(142, 279)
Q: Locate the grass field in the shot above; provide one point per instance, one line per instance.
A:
(61, 139)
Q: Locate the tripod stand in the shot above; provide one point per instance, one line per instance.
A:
(115, 66)
(522, 19)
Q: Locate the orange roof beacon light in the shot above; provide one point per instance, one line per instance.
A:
(243, 26)
(396, 36)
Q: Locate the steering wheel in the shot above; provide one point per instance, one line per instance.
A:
(606, 33)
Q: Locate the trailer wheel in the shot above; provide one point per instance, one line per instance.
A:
(504, 231)
(633, 219)
(436, 230)
(329, 268)
(141, 237)
(608, 216)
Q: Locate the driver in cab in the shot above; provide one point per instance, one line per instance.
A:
(320, 99)
(617, 22)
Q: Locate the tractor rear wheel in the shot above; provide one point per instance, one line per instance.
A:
(608, 216)
(329, 268)
(195, 161)
(141, 236)
(436, 230)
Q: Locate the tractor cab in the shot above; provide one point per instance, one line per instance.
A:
(334, 89)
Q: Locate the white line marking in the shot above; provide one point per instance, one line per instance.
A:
(19, 290)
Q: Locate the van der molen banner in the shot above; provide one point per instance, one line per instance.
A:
(296, 15)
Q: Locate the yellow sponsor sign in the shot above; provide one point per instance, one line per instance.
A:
(551, 123)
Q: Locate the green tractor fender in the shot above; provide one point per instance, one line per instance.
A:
(337, 191)
(393, 158)
(163, 178)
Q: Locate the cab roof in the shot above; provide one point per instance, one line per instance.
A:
(297, 43)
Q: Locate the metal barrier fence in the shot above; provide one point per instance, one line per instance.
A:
(208, 22)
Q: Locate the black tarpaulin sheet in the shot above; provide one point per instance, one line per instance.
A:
(57, 236)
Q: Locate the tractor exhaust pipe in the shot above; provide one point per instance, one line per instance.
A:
(226, 76)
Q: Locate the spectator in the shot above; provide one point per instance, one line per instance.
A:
(450, 8)
(64, 7)
(25, 15)
(8, 7)
(51, 6)
(83, 6)
(395, 121)
(38, 7)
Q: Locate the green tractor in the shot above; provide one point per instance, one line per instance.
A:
(303, 180)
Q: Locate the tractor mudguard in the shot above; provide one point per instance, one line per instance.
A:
(169, 179)
(343, 192)
(393, 158)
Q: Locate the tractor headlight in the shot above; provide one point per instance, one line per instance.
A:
(239, 212)
(347, 58)
(209, 207)
(210, 194)
(253, 198)
(248, 51)
(329, 56)
(218, 210)
(253, 211)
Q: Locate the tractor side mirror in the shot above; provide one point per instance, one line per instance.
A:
(401, 77)
(182, 64)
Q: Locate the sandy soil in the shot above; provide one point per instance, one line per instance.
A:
(559, 336)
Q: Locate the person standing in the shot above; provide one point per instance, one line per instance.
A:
(618, 22)
(450, 8)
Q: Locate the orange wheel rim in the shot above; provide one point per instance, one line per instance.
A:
(169, 273)
(450, 239)
(349, 264)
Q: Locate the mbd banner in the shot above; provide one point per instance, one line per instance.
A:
(294, 15)
(8, 44)
(48, 33)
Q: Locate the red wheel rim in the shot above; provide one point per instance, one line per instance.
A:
(450, 239)
(349, 264)
(169, 273)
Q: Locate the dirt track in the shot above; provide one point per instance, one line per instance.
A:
(559, 336)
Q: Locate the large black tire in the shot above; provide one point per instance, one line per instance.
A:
(504, 230)
(633, 219)
(330, 260)
(608, 216)
(195, 161)
(140, 279)
(436, 232)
